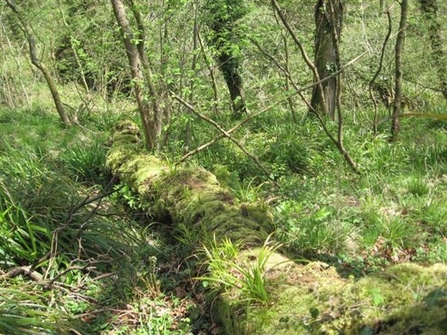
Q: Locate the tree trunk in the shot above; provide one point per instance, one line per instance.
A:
(222, 18)
(159, 114)
(231, 70)
(397, 106)
(192, 198)
(187, 196)
(328, 20)
(429, 10)
(29, 34)
(137, 62)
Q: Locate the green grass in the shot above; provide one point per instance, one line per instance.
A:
(322, 208)
(394, 206)
(228, 273)
(76, 243)
(26, 310)
(394, 211)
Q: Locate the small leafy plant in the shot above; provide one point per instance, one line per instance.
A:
(231, 276)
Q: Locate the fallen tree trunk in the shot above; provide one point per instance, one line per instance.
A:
(298, 299)
(186, 195)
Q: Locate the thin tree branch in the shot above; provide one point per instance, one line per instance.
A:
(286, 24)
(279, 66)
(224, 133)
(379, 69)
(31, 39)
(219, 137)
(303, 52)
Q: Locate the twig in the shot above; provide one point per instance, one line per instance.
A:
(70, 268)
(279, 66)
(286, 24)
(219, 137)
(425, 87)
(88, 200)
(85, 202)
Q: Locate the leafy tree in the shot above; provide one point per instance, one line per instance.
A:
(98, 66)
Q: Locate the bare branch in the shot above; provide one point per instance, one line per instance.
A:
(379, 69)
(224, 133)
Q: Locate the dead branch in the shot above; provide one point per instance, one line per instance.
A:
(23, 270)
(224, 133)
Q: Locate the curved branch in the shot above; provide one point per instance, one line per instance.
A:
(379, 69)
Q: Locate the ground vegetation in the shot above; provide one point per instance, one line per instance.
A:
(201, 188)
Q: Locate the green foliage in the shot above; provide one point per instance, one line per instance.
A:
(227, 273)
(73, 245)
(222, 17)
(99, 66)
(23, 312)
(85, 161)
(394, 211)
(125, 194)
(311, 231)
(22, 240)
(30, 198)
(418, 187)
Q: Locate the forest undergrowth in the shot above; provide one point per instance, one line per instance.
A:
(76, 258)
(80, 256)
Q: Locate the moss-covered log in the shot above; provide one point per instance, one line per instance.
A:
(187, 195)
(302, 299)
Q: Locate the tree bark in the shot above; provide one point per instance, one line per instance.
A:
(29, 34)
(328, 20)
(429, 10)
(397, 105)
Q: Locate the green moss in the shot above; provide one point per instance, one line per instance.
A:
(314, 299)
(188, 195)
